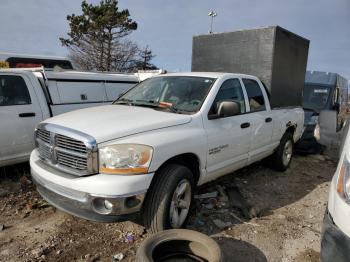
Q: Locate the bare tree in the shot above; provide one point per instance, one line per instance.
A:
(146, 56)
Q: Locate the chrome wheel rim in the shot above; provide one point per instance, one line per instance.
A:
(180, 204)
(287, 152)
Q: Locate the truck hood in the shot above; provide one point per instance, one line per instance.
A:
(114, 121)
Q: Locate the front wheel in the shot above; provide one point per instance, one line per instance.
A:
(282, 158)
(169, 199)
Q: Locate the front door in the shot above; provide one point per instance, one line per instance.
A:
(19, 114)
(228, 137)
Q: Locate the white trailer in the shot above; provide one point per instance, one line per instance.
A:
(29, 96)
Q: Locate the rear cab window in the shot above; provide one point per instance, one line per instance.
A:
(13, 91)
(255, 96)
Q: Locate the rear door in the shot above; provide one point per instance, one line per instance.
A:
(19, 114)
(260, 120)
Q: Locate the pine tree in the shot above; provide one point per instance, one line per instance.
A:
(97, 38)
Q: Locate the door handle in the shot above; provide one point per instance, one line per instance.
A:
(245, 125)
(31, 114)
(267, 120)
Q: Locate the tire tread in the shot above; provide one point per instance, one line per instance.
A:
(276, 159)
(154, 209)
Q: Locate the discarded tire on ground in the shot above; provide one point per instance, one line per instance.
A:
(179, 245)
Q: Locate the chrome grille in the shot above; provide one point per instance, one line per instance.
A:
(72, 161)
(43, 135)
(44, 151)
(70, 144)
(72, 151)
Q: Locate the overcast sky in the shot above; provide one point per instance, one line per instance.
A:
(34, 26)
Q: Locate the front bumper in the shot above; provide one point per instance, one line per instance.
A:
(91, 197)
(87, 206)
(335, 245)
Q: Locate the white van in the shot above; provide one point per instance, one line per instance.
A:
(29, 96)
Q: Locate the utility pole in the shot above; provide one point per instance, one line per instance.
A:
(212, 14)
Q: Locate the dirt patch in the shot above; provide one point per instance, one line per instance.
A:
(287, 210)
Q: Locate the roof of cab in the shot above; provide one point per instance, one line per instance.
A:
(205, 74)
(325, 78)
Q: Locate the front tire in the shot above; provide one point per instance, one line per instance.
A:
(282, 158)
(169, 199)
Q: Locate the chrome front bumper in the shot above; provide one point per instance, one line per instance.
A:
(99, 208)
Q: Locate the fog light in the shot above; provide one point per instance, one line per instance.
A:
(131, 202)
(108, 205)
(102, 206)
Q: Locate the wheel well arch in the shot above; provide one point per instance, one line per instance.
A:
(189, 160)
(291, 130)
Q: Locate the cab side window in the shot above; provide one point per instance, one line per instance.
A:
(255, 95)
(230, 90)
(13, 91)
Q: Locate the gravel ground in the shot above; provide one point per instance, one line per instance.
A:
(257, 215)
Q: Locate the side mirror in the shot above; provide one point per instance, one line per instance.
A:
(226, 109)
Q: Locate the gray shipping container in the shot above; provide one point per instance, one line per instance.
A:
(278, 57)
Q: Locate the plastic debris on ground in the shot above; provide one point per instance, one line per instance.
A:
(118, 257)
(129, 238)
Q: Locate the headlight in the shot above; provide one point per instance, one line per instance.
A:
(125, 159)
(343, 184)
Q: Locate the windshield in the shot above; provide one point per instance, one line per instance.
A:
(315, 97)
(178, 93)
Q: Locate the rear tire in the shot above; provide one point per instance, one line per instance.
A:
(282, 157)
(169, 199)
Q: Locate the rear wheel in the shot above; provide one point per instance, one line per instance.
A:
(169, 199)
(282, 158)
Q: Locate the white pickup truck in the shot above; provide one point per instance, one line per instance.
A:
(29, 96)
(146, 153)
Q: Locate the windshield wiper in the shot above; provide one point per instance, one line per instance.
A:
(124, 101)
(147, 103)
(159, 105)
(152, 104)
